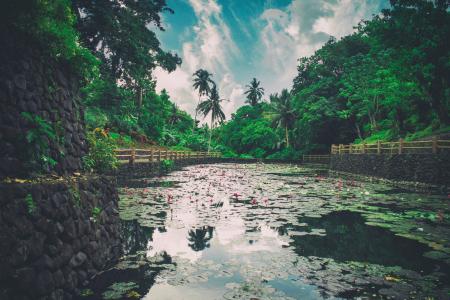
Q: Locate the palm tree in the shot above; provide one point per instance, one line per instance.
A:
(212, 105)
(174, 116)
(199, 239)
(254, 92)
(202, 81)
(284, 115)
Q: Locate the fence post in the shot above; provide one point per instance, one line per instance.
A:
(378, 147)
(340, 148)
(400, 147)
(159, 155)
(435, 145)
(364, 148)
(133, 156)
(151, 156)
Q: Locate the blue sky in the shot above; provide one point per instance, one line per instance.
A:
(237, 40)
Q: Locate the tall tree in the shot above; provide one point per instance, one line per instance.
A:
(119, 33)
(212, 105)
(417, 32)
(254, 92)
(174, 116)
(284, 114)
(203, 84)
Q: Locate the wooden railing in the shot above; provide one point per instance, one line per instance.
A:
(419, 147)
(151, 155)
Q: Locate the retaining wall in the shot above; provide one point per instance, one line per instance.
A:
(42, 87)
(426, 168)
(54, 236)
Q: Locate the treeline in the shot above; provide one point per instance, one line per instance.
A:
(113, 51)
(389, 79)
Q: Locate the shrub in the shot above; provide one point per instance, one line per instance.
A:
(39, 136)
(31, 205)
(101, 155)
(287, 153)
(166, 165)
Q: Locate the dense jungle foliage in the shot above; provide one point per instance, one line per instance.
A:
(387, 80)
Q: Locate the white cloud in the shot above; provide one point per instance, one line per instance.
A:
(300, 29)
(212, 49)
(284, 36)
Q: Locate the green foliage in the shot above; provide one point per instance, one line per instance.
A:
(86, 293)
(388, 80)
(249, 132)
(75, 194)
(101, 156)
(166, 165)
(51, 25)
(39, 136)
(286, 153)
(31, 205)
(254, 92)
(96, 211)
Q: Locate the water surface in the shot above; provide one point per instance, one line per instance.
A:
(258, 231)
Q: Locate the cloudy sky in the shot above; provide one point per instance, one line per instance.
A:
(237, 40)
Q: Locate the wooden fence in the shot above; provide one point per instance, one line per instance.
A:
(401, 147)
(151, 155)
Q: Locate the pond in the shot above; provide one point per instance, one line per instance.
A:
(275, 231)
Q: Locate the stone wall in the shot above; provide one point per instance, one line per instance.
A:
(426, 168)
(54, 236)
(34, 84)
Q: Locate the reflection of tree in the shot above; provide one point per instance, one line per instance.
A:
(200, 237)
(348, 238)
(134, 237)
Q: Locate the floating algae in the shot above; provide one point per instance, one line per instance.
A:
(280, 232)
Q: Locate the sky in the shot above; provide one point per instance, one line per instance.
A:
(237, 40)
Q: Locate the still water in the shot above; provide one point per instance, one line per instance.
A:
(230, 231)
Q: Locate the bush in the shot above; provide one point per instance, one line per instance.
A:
(287, 153)
(258, 153)
(166, 165)
(101, 155)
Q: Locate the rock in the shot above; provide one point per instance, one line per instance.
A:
(58, 277)
(45, 262)
(44, 282)
(78, 259)
(71, 280)
(20, 82)
(57, 295)
(69, 228)
(26, 277)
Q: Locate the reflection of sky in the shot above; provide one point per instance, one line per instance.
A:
(174, 242)
(229, 234)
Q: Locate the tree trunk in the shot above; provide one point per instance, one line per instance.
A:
(210, 133)
(287, 136)
(139, 101)
(358, 131)
(196, 111)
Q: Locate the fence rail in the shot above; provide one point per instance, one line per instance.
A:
(401, 147)
(151, 155)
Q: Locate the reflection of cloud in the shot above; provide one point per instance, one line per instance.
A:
(174, 242)
(230, 230)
